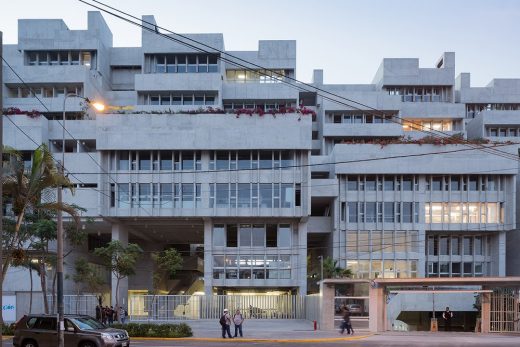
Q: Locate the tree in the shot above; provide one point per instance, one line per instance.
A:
(86, 274)
(331, 268)
(167, 263)
(27, 191)
(120, 260)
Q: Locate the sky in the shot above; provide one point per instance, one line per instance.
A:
(347, 39)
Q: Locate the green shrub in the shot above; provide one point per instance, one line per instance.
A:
(8, 330)
(156, 330)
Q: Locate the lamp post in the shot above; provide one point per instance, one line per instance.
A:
(321, 267)
(59, 259)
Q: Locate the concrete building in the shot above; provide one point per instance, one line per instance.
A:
(247, 198)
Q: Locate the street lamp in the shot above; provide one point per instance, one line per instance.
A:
(59, 263)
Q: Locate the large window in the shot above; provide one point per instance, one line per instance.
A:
(465, 212)
(182, 63)
(53, 58)
(247, 160)
(253, 235)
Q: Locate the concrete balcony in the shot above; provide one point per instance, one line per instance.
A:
(320, 225)
(324, 188)
(44, 74)
(35, 128)
(255, 91)
(418, 159)
(203, 132)
(426, 110)
(178, 81)
(80, 129)
(362, 130)
(477, 127)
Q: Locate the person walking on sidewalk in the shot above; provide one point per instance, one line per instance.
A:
(447, 316)
(225, 322)
(238, 319)
(346, 324)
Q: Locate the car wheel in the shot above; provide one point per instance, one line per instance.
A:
(29, 343)
(87, 344)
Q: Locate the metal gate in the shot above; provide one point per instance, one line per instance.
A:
(186, 307)
(505, 310)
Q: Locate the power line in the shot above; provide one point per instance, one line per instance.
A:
(281, 78)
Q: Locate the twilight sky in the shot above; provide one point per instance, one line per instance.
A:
(346, 38)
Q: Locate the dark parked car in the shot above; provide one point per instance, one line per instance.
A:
(80, 331)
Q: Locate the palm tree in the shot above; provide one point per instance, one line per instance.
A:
(29, 191)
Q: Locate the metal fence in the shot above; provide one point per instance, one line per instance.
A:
(505, 310)
(186, 307)
(73, 304)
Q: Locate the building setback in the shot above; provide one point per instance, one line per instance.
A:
(247, 197)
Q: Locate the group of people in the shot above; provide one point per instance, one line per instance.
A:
(109, 315)
(226, 320)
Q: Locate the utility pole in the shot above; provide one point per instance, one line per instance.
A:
(1, 186)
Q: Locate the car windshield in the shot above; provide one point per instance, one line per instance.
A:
(87, 323)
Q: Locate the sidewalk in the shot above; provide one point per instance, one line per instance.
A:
(271, 329)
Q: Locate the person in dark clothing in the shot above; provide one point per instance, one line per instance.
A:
(98, 313)
(110, 315)
(346, 324)
(447, 316)
(225, 322)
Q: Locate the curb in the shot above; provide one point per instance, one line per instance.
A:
(238, 340)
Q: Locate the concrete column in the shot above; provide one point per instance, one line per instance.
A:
(377, 312)
(486, 312)
(208, 257)
(301, 264)
(326, 306)
(119, 233)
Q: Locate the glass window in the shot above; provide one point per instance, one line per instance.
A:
(123, 198)
(444, 248)
(370, 183)
(473, 183)
(477, 245)
(245, 235)
(455, 246)
(437, 183)
(353, 212)
(166, 160)
(222, 160)
(271, 235)
(176, 100)
(266, 160)
(166, 195)
(352, 183)
(444, 269)
(389, 183)
(436, 208)
(145, 162)
(468, 269)
(468, 245)
(222, 195)
(124, 160)
(187, 195)
(231, 235)
(432, 245)
(284, 235)
(212, 63)
(389, 212)
(492, 215)
(286, 160)
(187, 99)
(219, 238)
(258, 233)
(181, 63)
(244, 160)
(287, 195)
(187, 161)
(370, 216)
(407, 212)
(244, 195)
(455, 183)
(266, 195)
(407, 183)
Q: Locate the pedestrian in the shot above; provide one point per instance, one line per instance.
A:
(238, 319)
(98, 313)
(110, 315)
(122, 315)
(103, 315)
(346, 323)
(225, 323)
(447, 316)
